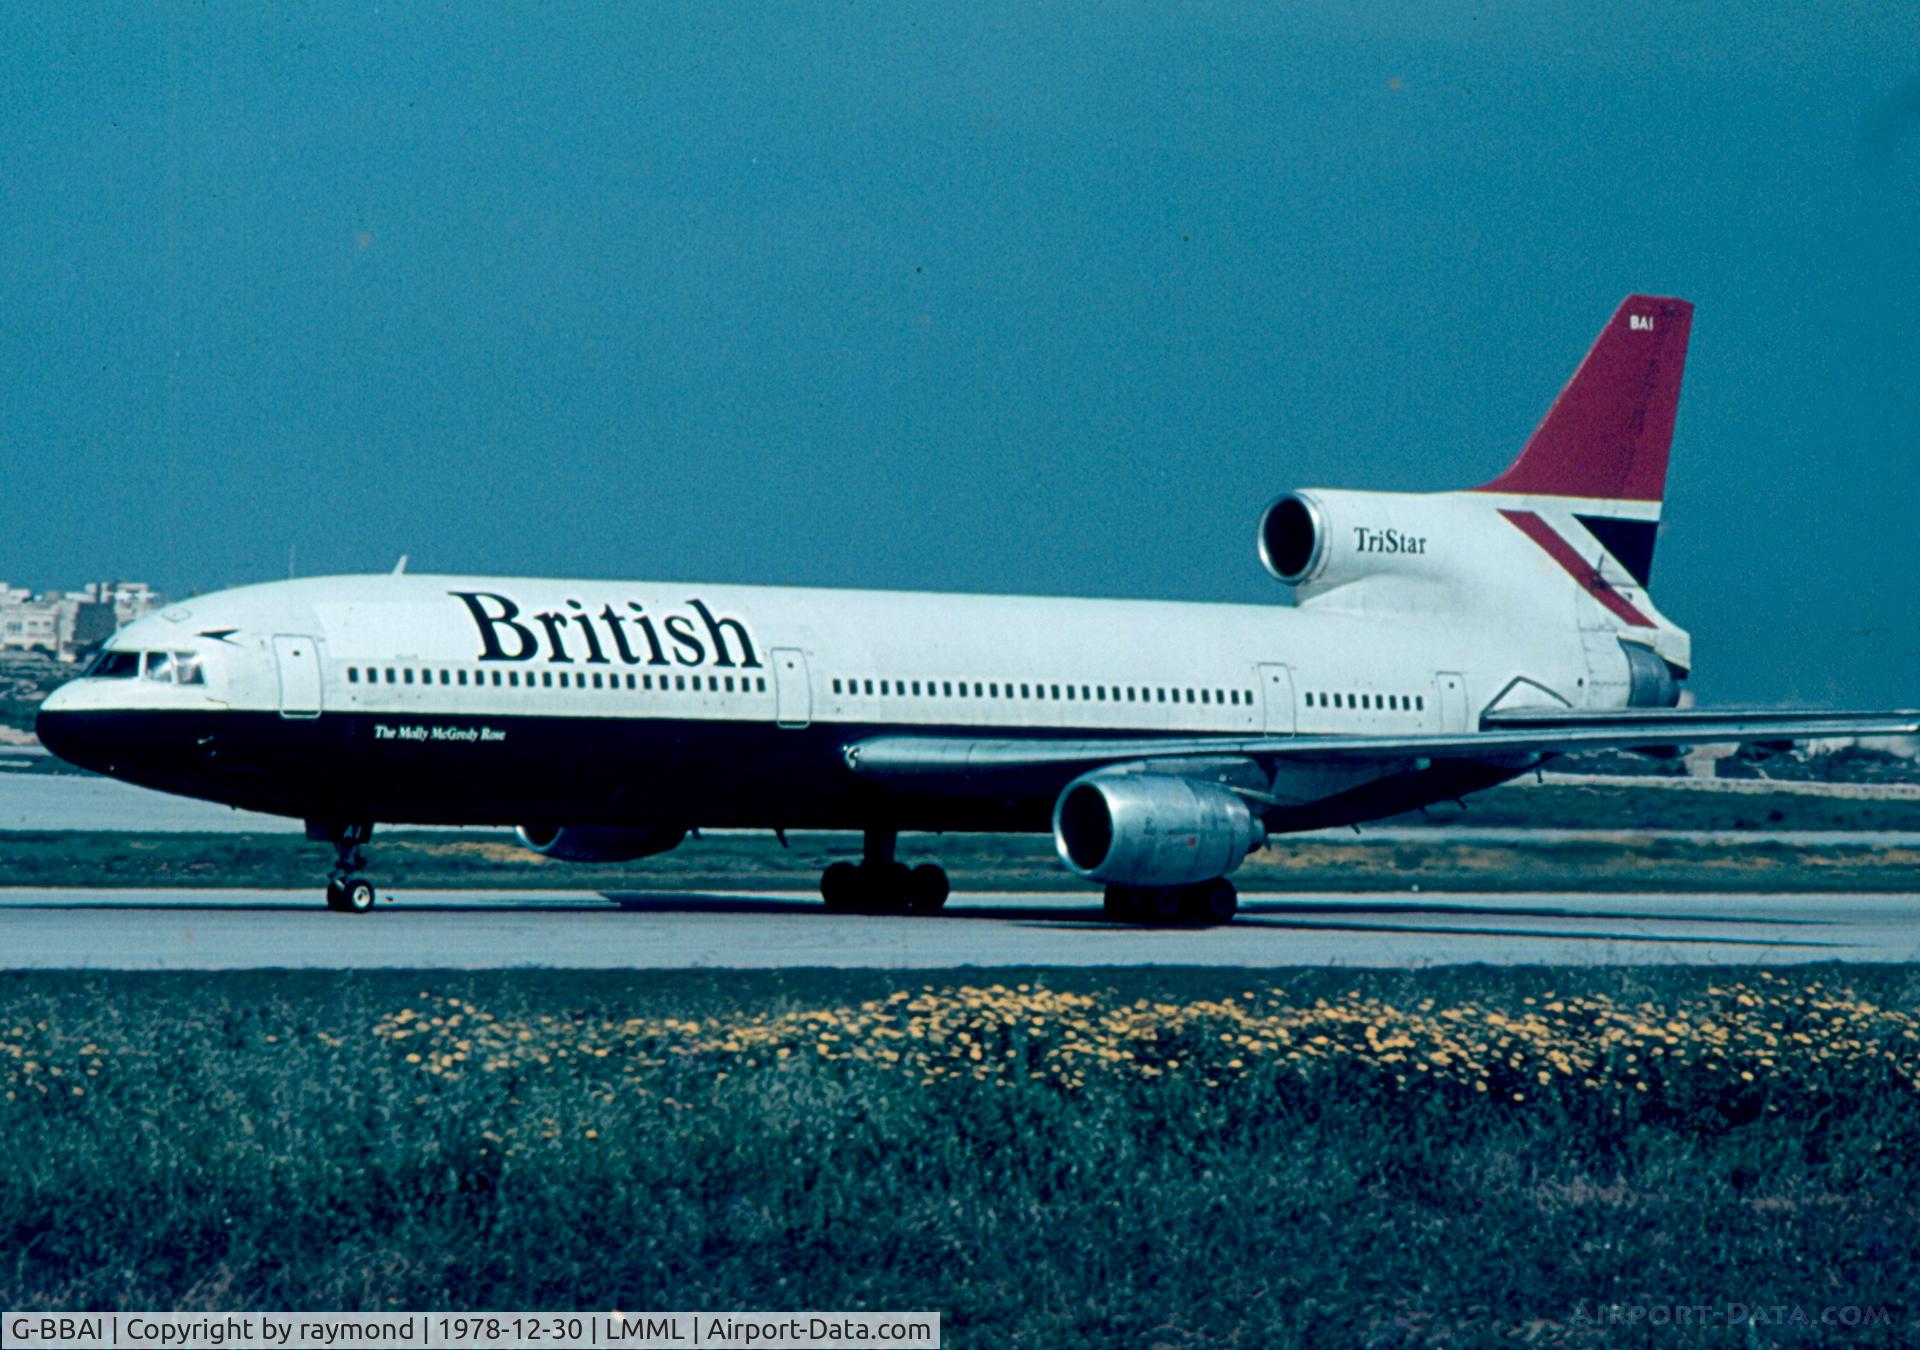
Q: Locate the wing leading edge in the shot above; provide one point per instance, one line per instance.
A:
(926, 758)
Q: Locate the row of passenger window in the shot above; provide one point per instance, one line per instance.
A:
(560, 679)
(1370, 702)
(1034, 692)
(161, 665)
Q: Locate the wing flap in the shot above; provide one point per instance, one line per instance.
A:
(1512, 735)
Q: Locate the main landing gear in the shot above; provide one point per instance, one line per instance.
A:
(1201, 905)
(880, 885)
(347, 893)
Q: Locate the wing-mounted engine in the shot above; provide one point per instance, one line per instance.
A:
(599, 843)
(1152, 829)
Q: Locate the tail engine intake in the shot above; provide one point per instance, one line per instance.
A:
(1293, 538)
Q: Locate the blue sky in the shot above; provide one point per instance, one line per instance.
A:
(982, 297)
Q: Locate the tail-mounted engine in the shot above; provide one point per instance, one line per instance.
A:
(1578, 511)
(1432, 553)
(1317, 540)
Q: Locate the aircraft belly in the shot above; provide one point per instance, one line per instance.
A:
(454, 769)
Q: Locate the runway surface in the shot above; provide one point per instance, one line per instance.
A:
(153, 930)
(38, 792)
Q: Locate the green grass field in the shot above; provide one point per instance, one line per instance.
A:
(976, 862)
(1157, 1157)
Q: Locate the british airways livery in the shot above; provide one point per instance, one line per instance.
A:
(1438, 644)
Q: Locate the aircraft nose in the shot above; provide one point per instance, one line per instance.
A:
(72, 726)
(95, 728)
(70, 732)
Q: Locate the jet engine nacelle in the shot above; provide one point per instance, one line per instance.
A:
(1316, 540)
(598, 843)
(1150, 829)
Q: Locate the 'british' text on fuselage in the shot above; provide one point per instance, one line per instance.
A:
(631, 639)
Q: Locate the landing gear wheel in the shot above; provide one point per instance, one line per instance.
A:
(880, 884)
(346, 893)
(840, 886)
(927, 889)
(1210, 902)
(1201, 905)
(1161, 905)
(1122, 904)
(889, 888)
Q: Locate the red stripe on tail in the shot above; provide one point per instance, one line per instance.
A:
(1608, 434)
(1577, 567)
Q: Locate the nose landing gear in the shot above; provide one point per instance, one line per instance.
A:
(882, 885)
(347, 893)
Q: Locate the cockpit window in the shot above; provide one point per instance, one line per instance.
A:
(110, 665)
(163, 667)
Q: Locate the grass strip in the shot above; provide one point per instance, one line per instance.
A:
(1051, 1158)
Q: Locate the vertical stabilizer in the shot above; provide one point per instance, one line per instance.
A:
(1607, 435)
(1568, 531)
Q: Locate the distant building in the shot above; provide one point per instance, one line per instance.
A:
(70, 625)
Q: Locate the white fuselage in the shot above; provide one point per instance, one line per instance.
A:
(408, 646)
(503, 700)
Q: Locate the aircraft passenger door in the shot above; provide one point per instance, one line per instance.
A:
(1450, 692)
(1276, 694)
(299, 661)
(792, 692)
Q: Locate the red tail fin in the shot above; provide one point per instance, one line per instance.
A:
(1608, 433)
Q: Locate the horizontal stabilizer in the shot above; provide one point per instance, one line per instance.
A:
(1687, 722)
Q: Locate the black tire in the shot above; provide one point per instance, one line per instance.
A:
(1212, 903)
(357, 895)
(928, 889)
(840, 886)
(337, 896)
(1162, 905)
(1122, 904)
(889, 888)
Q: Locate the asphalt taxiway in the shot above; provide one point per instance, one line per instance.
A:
(39, 793)
(236, 929)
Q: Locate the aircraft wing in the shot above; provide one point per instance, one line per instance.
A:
(907, 759)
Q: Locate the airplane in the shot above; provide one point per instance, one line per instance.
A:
(1437, 644)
